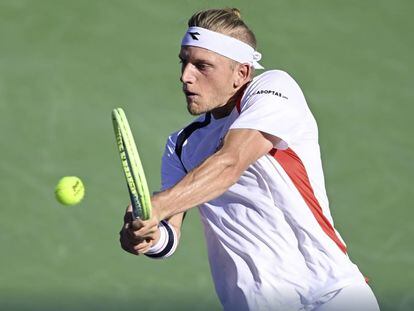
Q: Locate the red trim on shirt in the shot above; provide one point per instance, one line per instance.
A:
(238, 104)
(295, 169)
(239, 97)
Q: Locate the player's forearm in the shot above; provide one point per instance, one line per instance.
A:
(206, 182)
(241, 147)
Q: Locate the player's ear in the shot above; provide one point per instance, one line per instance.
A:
(242, 74)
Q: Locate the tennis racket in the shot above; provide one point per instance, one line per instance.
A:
(131, 164)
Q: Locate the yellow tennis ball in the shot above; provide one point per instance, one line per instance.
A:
(69, 190)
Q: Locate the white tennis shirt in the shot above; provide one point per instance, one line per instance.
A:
(270, 237)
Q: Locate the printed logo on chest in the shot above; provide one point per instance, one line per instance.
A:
(271, 92)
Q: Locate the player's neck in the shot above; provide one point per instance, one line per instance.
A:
(225, 110)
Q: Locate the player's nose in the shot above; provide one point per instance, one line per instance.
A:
(187, 75)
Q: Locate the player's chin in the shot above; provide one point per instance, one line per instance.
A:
(194, 108)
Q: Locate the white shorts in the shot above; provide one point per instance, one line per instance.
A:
(355, 297)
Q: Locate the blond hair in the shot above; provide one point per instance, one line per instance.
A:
(226, 21)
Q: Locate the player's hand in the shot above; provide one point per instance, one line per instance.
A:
(137, 236)
(147, 228)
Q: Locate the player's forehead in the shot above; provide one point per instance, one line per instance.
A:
(196, 53)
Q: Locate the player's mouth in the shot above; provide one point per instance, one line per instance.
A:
(189, 94)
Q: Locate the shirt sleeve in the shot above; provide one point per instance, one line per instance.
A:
(172, 170)
(273, 104)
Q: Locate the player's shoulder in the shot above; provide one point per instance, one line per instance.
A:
(274, 74)
(273, 78)
(272, 83)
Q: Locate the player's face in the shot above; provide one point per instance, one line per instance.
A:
(209, 79)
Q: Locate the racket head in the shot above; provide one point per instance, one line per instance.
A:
(132, 166)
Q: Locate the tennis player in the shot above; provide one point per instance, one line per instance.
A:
(251, 163)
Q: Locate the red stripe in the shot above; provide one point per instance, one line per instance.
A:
(238, 103)
(295, 169)
(239, 97)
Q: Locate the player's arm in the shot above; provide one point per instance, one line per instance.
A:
(159, 240)
(241, 147)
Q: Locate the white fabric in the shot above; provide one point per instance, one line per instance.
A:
(163, 241)
(265, 247)
(174, 247)
(224, 45)
(355, 297)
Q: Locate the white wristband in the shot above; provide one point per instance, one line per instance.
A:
(162, 241)
(166, 244)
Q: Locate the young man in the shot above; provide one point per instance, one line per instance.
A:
(251, 163)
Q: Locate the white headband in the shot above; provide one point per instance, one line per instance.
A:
(223, 45)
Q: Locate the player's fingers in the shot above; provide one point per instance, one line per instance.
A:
(148, 227)
(128, 214)
(128, 239)
(137, 224)
(128, 232)
(143, 247)
(147, 231)
(123, 237)
(138, 237)
(126, 244)
(133, 236)
(150, 235)
(143, 251)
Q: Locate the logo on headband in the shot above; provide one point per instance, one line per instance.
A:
(193, 35)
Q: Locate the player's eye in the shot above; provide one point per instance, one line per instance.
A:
(201, 66)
